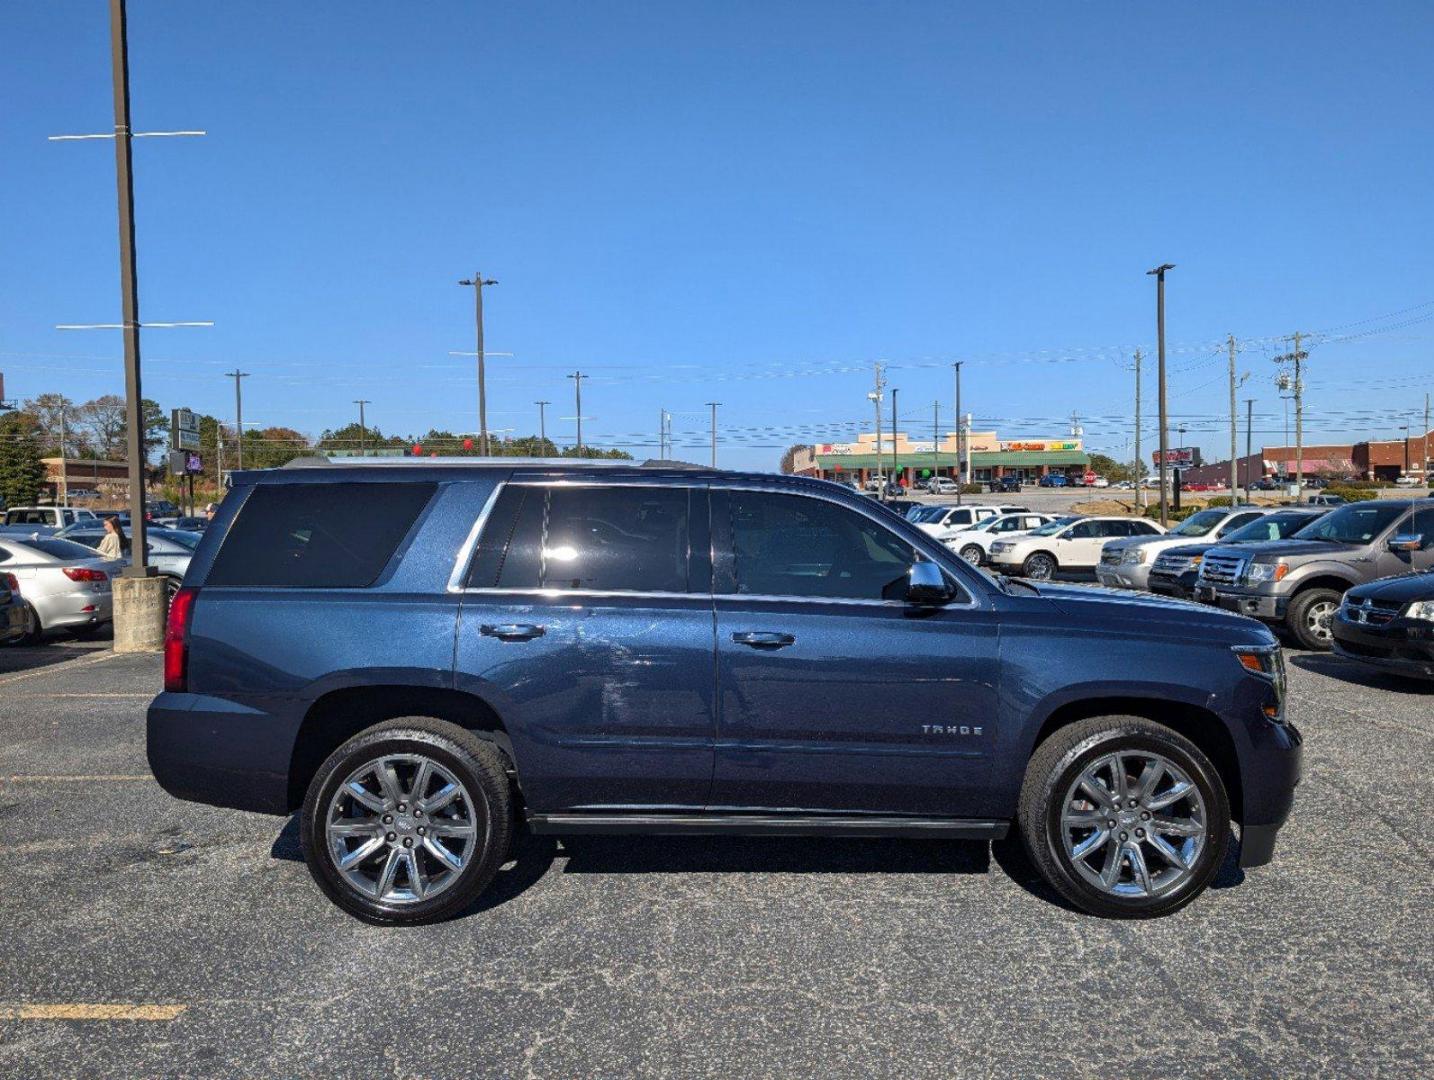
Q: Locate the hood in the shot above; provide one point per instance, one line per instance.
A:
(1404, 589)
(1158, 613)
(1127, 542)
(1275, 549)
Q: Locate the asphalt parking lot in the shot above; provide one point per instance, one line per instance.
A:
(687, 957)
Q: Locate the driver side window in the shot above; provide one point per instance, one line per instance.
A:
(1082, 530)
(773, 544)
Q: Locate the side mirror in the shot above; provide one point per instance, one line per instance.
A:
(1406, 542)
(926, 585)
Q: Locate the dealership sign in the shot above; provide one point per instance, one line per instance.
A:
(183, 430)
(1183, 457)
(1039, 447)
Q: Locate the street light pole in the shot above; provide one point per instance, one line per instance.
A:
(542, 426)
(1159, 273)
(363, 428)
(577, 378)
(894, 468)
(477, 281)
(713, 406)
(236, 375)
(960, 428)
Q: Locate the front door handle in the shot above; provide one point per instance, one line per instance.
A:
(764, 639)
(512, 631)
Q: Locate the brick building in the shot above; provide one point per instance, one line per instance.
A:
(1374, 460)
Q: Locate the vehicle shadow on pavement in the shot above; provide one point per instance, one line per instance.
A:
(15, 659)
(771, 855)
(1346, 671)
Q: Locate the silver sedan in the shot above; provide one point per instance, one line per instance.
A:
(169, 549)
(65, 585)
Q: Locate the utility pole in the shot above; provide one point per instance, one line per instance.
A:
(236, 375)
(542, 426)
(713, 406)
(476, 283)
(1234, 427)
(1139, 461)
(875, 398)
(363, 428)
(894, 469)
(1249, 447)
(960, 468)
(1159, 273)
(936, 440)
(64, 466)
(661, 434)
(1424, 462)
(577, 378)
(1297, 358)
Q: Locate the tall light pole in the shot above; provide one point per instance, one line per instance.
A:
(894, 467)
(363, 428)
(1139, 461)
(577, 378)
(476, 283)
(713, 406)
(64, 464)
(1249, 445)
(237, 375)
(1159, 273)
(960, 469)
(543, 426)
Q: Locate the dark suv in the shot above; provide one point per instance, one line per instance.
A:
(423, 657)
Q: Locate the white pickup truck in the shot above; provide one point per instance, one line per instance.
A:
(44, 518)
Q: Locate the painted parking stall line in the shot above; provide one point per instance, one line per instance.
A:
(78, 1011)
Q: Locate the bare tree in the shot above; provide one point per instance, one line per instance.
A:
(102, 420)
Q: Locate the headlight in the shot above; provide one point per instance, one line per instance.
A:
(1134, 555)
(1267, 661)
(1420, 609)
(1261, 572)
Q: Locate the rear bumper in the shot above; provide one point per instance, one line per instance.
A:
(211, 750)
(12, 619)
(71, 610)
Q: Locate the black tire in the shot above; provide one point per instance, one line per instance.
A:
(479, 766)
(1308, 618)
(1056, 765)
(1040, 566)
(973, 554)
(34, 633)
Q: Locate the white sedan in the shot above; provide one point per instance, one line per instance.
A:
(939, 520)
(1067, 543)
(65, 585)
(974, 544)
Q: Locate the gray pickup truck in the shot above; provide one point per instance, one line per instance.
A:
(1298, 582)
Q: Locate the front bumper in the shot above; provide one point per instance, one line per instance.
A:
(1182, 588)
(1123, 575)
(1256, 605)
(1271, 774)
(1402, 646)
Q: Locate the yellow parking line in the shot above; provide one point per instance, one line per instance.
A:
(67, 695)
(91, 1012)
(43, 778)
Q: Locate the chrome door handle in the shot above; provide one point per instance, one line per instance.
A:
(512, 631)
(764, 639)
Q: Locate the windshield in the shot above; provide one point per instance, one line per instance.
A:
(1198, 524)
(1357, 524)
(925, 513)
(187, 540)
(1050, 528)
(59, 549)
(1272, 527)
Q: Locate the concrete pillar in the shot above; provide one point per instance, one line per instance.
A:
(140, 611)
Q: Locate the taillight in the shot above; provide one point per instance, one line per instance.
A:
(12, 583)
(84, 573)
(176, 641)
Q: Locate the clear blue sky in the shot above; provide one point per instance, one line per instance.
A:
(741, 201)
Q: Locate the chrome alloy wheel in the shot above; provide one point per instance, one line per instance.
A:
(402, 828)
(1318, 619)
(1040, 568)
(1134, 824)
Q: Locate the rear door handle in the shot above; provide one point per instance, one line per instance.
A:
(512, 631)
(764, 639)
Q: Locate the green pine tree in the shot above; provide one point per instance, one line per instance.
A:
(22, 474)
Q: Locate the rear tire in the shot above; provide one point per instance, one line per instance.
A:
(386, 836)
(1041, 566)
(1171, 827)
(1309, 617)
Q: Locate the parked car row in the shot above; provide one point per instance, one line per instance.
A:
(1354, 578)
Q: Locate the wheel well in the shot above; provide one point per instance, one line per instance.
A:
(1200, 726)
(341, 714)
(1338, 584)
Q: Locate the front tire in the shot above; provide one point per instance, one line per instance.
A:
(1124, 817)
(973, 554)
(1310, 616)
(408, 822)
(1041, 566)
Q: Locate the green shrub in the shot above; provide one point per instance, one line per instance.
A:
(1221, 500)
(1153, 511)
(1354, 494)
(973, 489)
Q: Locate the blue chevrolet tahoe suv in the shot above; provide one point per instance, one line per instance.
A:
(423, 657)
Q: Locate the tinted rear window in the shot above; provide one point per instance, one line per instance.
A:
(317, 535)
(58, 549)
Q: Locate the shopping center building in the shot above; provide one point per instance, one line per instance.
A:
(916, 459)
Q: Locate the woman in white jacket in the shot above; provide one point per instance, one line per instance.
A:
(112, 545)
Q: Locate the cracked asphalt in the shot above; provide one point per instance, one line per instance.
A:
(697, 958)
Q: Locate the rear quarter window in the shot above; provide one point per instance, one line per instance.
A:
(317, 535)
